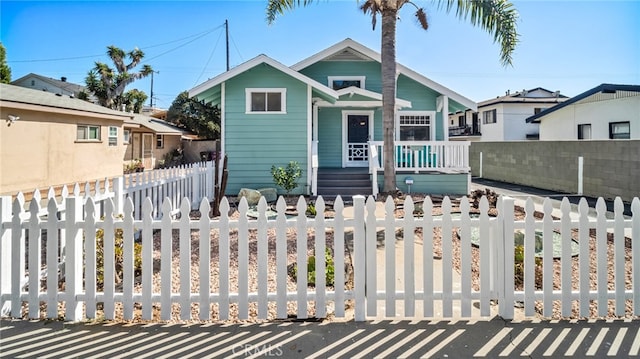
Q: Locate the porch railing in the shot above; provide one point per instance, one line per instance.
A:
(445, 156)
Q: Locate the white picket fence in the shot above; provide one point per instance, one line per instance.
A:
(262, 249)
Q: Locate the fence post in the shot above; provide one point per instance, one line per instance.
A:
(195, 186)
(210, 177)
(5, 253)
(580, 175)
(506, 249)
(118, 190)
(359, 246)
(73, 260)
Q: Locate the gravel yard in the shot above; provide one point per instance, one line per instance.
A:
(291, 256)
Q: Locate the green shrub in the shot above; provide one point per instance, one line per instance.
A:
(287, 178)
(311, 209)
(118, 257)
(311, 270)
(519, 267)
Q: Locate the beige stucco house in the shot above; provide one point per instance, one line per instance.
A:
(150, 140)
(47, 139)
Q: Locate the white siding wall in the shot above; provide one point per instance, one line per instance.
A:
(41, 85)
(563, 124)
(492, 131)
(515, 123)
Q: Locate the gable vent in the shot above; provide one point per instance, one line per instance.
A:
(348, 55)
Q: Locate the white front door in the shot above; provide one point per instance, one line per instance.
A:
(357, 130)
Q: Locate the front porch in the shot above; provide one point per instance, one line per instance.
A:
(434, 167)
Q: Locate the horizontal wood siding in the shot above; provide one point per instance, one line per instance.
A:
(432, 183)
(321, 71)
(255, 142)
(330, 134)
(330, 137)
(422, 99)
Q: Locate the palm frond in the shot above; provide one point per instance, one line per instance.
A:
(421, 17)
(497, 17)
(372, 8)
(278, 7)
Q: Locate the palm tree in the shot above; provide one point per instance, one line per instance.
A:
(498, 17)
(108, 85)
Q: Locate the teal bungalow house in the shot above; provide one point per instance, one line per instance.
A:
(325, 112)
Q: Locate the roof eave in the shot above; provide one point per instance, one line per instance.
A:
(597, 89)
(253, 63)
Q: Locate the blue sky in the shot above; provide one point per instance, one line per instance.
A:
(569, 46)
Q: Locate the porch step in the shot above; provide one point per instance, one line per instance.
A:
(346, 182)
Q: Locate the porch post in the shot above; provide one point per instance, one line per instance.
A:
(443, 105)
(314, 150)
(309, 138)
(223, 131)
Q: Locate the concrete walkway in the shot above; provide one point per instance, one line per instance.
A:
(437, 277)
(374, 339)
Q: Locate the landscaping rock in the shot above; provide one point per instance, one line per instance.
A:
(252, 196)
(269, 194)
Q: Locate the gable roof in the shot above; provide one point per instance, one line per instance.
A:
(63, 84)
(523, 96)
(603, 88)
(159, 126)
(26, 98)
(260, 59)
(349, 49)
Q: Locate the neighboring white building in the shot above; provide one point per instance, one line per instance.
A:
(504, 118)
(464, 126)
(48, 84)
(604, 112)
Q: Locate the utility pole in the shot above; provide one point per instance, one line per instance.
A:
(226, 26)
(151, 97)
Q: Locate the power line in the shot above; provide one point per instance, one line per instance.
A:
(198, 36)
(209, 59)
(185, 44)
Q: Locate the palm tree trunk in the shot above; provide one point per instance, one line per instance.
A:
(388, 53)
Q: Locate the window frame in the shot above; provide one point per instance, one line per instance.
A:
(537, 110)
(87, 133)
(331, 79)
(112, 139)
(581, 127)
(126, 137)
(159, 141)
(494, 115)
(431, 126)
(612, 136)
(248, 100)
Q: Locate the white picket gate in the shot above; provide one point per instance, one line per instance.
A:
(252, 259)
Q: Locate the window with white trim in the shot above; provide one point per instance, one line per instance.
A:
(88, 133)
(159, 141)
(113, 136)
(414, 127)
(267, 100)
(341, 82)
(126, 139)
